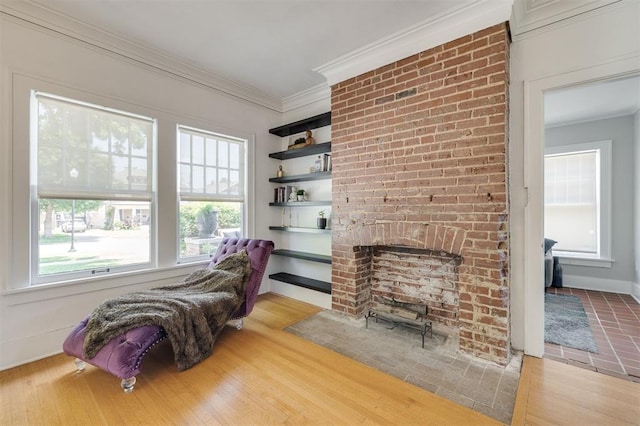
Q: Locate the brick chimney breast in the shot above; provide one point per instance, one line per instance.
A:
(419, 162)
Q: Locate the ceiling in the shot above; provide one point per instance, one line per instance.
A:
(603, 99)
(274, 46)
(270, 45)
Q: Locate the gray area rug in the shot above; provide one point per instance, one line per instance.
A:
(438, 368)
(566, 323)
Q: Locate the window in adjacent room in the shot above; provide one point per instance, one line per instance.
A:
(92, 170)
(577, 188)
(211, 185)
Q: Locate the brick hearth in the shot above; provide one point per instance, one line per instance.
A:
(419, 160)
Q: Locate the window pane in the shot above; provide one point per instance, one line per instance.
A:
(99, 144)
(212, 149)
(99, 175)
(223, 181)
(119, 136)
(50, 118)
(223, 154)
(139, 135)
(203, 225)
(212, 180)
(85, 235)
(138, 175)
(234, 157)
(198, 179)
(234, 182)
(120, 172)
(185, 148)
(197, 150)
(51, 164)
(185, 178)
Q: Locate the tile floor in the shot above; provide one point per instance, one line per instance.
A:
(615, 323)
(480, 385)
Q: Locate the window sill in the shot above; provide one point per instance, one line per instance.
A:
(160, 276)
(581, 261)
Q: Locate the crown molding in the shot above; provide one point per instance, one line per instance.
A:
(473, 16)
(306, 97)
(529, 15)
(44, 17)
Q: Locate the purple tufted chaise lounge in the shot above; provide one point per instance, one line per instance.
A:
(122, 356)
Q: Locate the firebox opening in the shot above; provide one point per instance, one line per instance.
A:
(417, 276)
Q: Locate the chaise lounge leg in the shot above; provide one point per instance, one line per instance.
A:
(128, 384)
(239, 323)
(80, 364)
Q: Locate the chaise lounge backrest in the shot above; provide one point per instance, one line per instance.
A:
(259, 251)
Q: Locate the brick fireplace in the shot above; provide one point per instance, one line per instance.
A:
(419, 162)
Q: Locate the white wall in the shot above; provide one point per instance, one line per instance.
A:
(34, 321)
(588, 47)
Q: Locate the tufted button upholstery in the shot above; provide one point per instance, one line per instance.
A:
(258, 251)
(123, 355)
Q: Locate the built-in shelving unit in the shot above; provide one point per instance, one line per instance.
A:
(309, 150)
(303, 255)
(305, 282)
(302, 178)
(314, 122)
(301, 204)
(300, 229)
(319, 148)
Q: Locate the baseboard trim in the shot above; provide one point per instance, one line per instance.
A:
(33, 348)
(635, 291)
(597, 284)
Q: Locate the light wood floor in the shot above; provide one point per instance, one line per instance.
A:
(264, 375)
(554, 393)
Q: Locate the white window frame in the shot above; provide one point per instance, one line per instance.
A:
(164, 219)
(190, 196)
(603, 256)
(149, 196)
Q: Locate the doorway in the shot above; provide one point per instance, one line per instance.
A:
(534, 136)
(590, 162)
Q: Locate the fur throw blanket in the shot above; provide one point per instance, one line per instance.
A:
(192, 312)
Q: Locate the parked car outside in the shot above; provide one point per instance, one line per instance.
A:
(78, 226)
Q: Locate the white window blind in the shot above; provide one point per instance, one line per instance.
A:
(572, 188)
(577, 200)
(89, 152)
(211, 166)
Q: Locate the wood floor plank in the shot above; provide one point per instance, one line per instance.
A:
(264, 375)
(555, 393)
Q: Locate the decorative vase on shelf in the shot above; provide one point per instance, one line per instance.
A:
(321, 221)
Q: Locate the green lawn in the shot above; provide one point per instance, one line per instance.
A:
(56, 239)
(61, 264)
